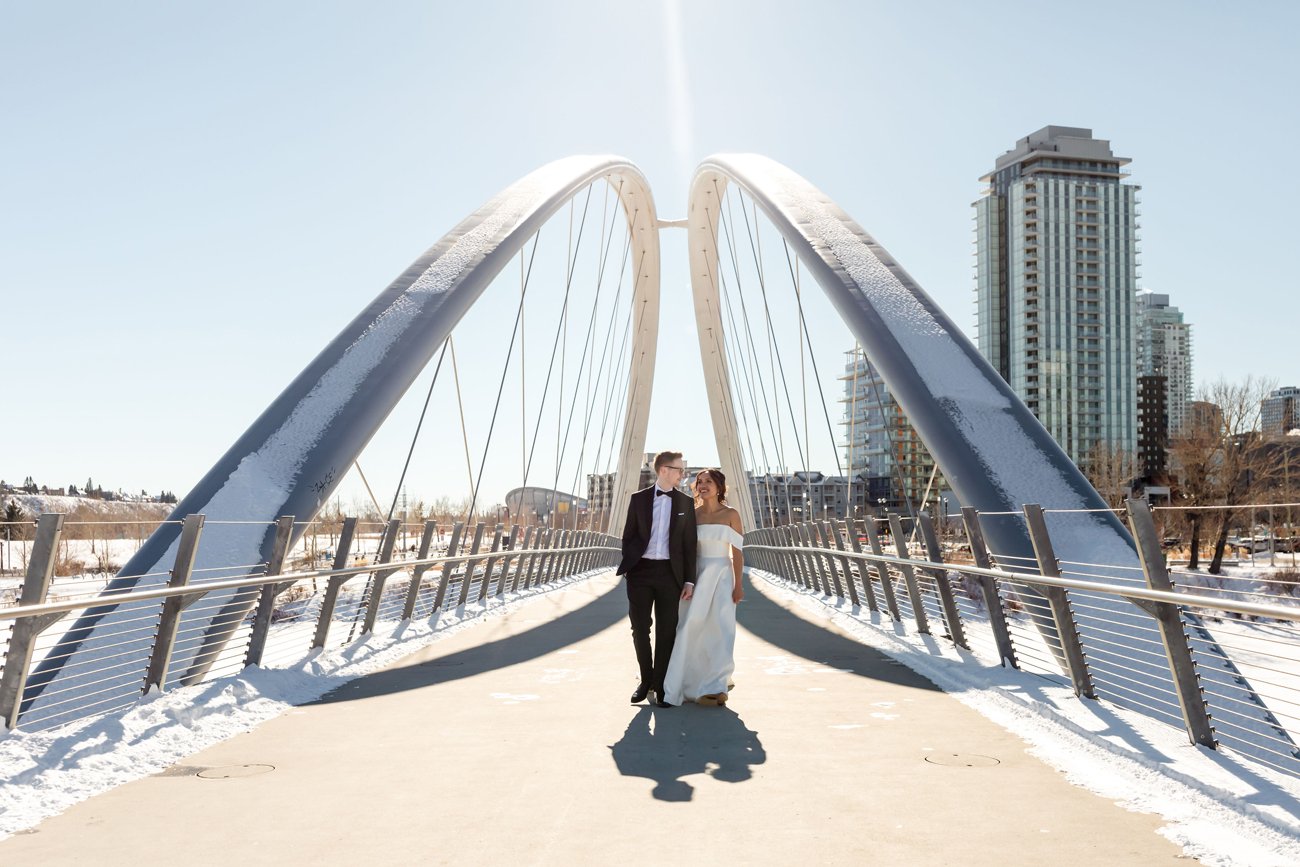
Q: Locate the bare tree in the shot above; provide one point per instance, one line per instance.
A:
(1111, 471)
(1220, 459)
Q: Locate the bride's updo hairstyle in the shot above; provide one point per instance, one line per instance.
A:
(719, 482)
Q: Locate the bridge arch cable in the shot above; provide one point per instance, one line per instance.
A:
(557, 342)
(601, 378)
(755, 250)
(296, 455)
(808, 345)
(617, 383)
(749, 365)
(775, 357)
(588, 344)
(728, 235)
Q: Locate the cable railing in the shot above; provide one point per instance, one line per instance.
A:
(1223, 665)
(206, 623)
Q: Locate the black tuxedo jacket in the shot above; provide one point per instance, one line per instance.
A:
(681, 533)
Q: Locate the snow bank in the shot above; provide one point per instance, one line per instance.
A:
(1221, 808)
(45, 773)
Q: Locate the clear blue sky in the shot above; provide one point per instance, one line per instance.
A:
(197, 196)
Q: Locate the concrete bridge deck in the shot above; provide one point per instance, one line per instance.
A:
(513, 743)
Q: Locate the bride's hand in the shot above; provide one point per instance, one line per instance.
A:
(737, 594)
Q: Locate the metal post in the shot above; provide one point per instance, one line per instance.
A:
(270, 590)
(823, 539)
(511, 543)
(1075, 662)
(588, 558)
(882, 570)
(380, 578)
(535, 558)
(22, 640)
(520, 559)
(558, 542)
(851, 527)
(417, 576)
(838, 531)
(563, 562)
(992, 599)
(453, 547)
(172, 606)
(755, 558)
(470, 564)
(1191, 698)
(803, 535)
(498, 533)
(909, 574)
(795, 557)
(950, 613)
(786, 568)
(334, 582)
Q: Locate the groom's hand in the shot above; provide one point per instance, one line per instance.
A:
(688, 591)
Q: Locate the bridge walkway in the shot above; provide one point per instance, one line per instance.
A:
(513, 743)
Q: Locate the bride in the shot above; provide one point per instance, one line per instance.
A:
(701, 664)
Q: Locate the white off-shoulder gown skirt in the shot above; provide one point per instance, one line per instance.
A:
(703, 661)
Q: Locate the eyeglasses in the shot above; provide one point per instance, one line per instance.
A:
(674, 467)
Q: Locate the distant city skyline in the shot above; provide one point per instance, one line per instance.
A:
(199, 200)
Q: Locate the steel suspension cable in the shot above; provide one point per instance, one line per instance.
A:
(803, 321)
(619, 382)
(593, 383)
(727, 225)
(773, 354)
(550, 368)
(603, 258)
(510, 351)
(464, 433)
(418, 425)
(756, 370)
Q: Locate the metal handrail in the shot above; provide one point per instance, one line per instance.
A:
(1257, 609)
(1075, 616)
(105, 600)
(558, 552)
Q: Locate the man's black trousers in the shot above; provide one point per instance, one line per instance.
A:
(653, 597)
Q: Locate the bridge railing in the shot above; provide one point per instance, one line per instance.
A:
(1203, 637)
(294, 613)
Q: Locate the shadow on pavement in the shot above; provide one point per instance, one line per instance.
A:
(656, 746)
(779, 626)
(596, 616)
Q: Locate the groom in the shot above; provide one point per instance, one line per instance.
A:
(658, 561)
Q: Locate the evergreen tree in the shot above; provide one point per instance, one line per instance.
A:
(13, 516)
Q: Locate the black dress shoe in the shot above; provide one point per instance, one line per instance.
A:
(639, 694)
(659, 701)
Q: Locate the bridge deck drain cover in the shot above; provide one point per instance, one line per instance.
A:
(230, 772)
(962, 760)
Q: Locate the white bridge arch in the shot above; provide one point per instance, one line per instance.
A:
(991, 449)
(296, 453)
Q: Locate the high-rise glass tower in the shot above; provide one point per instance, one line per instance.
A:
(1056, 276)
(1164, 347)
(881, 448)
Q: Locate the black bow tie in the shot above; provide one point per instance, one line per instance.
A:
(662, 493)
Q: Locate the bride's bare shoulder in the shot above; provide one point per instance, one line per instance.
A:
(732, 517)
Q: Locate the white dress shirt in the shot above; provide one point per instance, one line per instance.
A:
(662, 512)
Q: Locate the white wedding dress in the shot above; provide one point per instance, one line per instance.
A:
(702, 659)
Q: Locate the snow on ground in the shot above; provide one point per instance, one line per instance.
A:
(1221, 808)
(45, 773)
